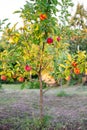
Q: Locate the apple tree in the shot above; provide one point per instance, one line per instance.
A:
(38, 41)
(43, 34)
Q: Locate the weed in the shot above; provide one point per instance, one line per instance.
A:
(62, 93)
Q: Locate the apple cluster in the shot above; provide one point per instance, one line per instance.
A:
(50, 40)
(76, 69)
(20, 79)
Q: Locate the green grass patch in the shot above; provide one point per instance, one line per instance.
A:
(63, 93)
(25, 123)
(11, 86)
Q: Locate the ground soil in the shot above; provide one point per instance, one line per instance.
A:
(69, 110)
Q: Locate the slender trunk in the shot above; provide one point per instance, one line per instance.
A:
(61, 84)
(41, 95)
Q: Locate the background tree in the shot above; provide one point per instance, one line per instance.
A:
(78, 25)
(80, 17)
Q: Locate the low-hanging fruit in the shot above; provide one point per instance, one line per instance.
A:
(76, 71)
(28, 68)
(21, 79)
(3, 77)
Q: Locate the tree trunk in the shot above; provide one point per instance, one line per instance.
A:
(41, 96)
(61, 86)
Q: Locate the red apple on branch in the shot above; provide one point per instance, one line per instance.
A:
(21, 79)
(3, 77)
(49, 40)
(28, 68)
(58, 38)
(43, 16)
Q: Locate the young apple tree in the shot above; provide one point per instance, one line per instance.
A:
(40, 36)
(43, 35)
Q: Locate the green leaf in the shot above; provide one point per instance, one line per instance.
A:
(23, 86)
(5, 19)
(17, 11)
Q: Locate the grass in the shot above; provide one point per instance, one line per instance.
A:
(72, 90)
(26, 124)
(63, 93)
(11, 86)
(35, 124)
(17, 107)
(6, 100)
(66, 90)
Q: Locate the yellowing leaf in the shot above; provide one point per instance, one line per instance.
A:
(9, 75)
(16, 39)
(69, 57)
(86, 71)
(37, 28)
(62, 65)
(11, 40)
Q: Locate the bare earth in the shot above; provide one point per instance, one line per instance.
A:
(17, 103)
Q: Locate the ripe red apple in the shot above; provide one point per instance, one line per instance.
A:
(58, 38)
(28, 68)
(43, 16)
(21, 79)
(49, 40)
(74, 64)
(3, 77)
(76, 71)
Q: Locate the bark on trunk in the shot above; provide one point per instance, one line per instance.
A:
(41, 96)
